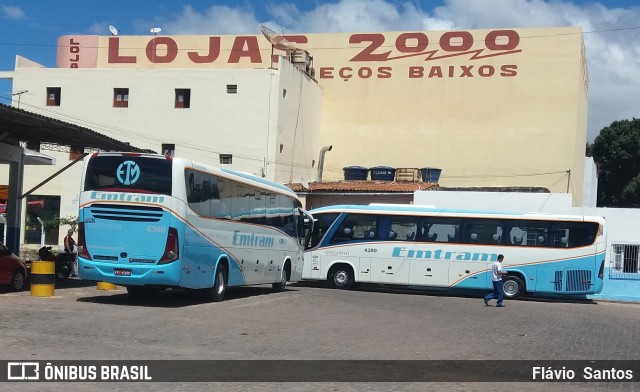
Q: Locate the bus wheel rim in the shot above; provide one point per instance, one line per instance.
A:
(341, 277)
(220, 287)
(510, 288)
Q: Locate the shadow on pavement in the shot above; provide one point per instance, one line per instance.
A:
(391, 289)
(175, 298)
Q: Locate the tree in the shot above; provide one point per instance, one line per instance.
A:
(616, 151)
(56, 222)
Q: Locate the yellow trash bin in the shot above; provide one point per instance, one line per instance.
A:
(106, 286)
(43, 278)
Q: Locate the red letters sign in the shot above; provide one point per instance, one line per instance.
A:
(371, 47)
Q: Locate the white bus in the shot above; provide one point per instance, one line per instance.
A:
(150, 222)
(453, 249)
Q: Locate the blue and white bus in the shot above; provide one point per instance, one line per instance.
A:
(453, 249)
(149, 222)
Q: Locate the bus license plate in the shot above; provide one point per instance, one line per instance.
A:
(122, 272)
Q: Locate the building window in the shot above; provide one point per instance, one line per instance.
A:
(183, 98)
(232, 89)
(625, 261)
(226, 159)
(46, 208)
(168, 149)
(120, 97)
(76, 152)
(53, 96)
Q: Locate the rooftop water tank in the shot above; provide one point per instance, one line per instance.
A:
(355, 173)
(430, 174)
(383, 173)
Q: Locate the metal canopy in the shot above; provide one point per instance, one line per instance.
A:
(19, 125)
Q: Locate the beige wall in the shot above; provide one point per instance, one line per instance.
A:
(490, 107)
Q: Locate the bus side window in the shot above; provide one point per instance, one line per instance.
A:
(344, 233)
(455, 236)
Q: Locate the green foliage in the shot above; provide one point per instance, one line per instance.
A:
(57, 221)
(616, 151)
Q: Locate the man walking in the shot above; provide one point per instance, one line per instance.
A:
(496, 278)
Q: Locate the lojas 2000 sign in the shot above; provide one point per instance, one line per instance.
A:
(376, 54)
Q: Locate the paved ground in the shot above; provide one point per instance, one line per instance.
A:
(311, 322)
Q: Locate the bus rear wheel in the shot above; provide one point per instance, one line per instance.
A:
(216, 293)
(341, 277)
(282, 284)
(513, 287)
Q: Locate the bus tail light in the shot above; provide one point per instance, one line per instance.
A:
(171, 252)
(601, 271)
(82, 244)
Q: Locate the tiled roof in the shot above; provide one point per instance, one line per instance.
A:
(398, 187)
(21, 125)
(363, 186)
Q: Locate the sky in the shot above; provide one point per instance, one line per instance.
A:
(611, 28)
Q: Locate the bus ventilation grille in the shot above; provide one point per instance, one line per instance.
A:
(126, 213)
(578, 280)
(557, 283)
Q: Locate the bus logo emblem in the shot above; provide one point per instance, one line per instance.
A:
(128, 172)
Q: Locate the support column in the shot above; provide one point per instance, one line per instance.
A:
(14, 155)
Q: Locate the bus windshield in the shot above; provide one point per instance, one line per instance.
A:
(137, 174)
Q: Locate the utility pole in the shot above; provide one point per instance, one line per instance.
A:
(19, 94)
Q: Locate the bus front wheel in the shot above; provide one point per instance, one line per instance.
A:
(513, 287)
(341, 277)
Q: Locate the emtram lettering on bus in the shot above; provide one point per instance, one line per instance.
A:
(439, 254)
(126, 197)
(251, 239)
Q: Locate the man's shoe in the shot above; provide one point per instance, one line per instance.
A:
(500, 306)
(486, 303)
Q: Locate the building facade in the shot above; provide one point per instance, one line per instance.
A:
(503, 107)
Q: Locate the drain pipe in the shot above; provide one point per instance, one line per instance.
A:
(323, 150)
